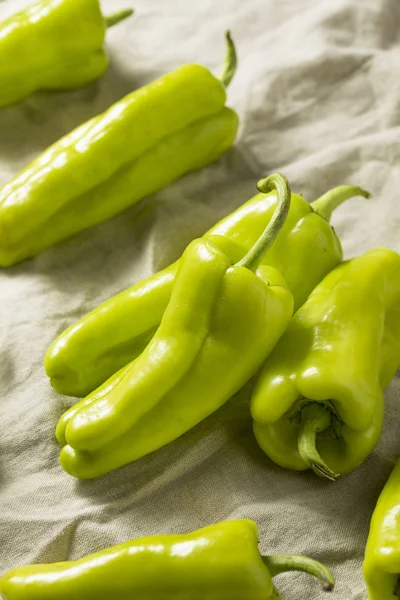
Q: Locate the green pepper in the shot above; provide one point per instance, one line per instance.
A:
(218, 562)
(53, 45)
(138, 146)
(195, 361)
(323, 384)
(382, 554)
(102, 342)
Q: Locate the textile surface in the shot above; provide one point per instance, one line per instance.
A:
(318, 94)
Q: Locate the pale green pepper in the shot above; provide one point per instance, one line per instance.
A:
(221, 322)
(318, 403)
(219, 562)
(53, 45)
(382, 554)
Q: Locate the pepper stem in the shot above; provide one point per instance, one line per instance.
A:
(118, 16)
(396, 590)
(278, 182)
(230, 63)
(281, 563)
(333, 198)
(315, 418)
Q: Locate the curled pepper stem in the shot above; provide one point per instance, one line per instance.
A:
(333, 198)
(117, 17)
(230, 63)
(278, 182)
(282, 563)
(315, 418)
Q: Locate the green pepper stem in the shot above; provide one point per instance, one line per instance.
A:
(282, 563)
(278, 182)
(118, 16)
(315, 417)
(333, 198)
(230, 63)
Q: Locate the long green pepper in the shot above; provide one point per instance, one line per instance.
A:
(219, 562)
(221, 322)
(158, 133)
(53, 45)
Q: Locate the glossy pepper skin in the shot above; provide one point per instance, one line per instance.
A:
(151, 137)
(53, 45)
(109, 337)
(221, 322)
(219, 562)
(382, 554)
(323, 384)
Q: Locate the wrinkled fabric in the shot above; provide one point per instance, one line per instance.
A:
(318, 94)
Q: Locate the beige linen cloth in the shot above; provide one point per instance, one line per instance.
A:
(318, 94)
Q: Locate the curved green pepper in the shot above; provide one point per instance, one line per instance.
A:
(53, 45)
(323, 383)
(138, 146)
(105, 340)
(382, 554)
(217, 562)
(195, 361)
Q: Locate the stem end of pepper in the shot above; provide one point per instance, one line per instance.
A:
(326, 204)
(322, 470)
(230, 64)
(117, 17)
(282, 563)
(278, 182)
(315, 418)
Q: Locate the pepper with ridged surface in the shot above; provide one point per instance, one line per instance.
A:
(318, 402)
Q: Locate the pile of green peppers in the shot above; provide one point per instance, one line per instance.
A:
(264, 296)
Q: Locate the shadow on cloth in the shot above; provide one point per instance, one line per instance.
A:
(173, 461)
(30, 127)
(106, 249)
